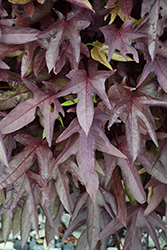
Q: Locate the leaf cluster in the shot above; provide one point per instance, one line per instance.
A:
(83, 112)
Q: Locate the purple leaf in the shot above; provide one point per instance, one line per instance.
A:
(22, 161)
(89, 178)
(121, 39)
(136, 106)
(84, 147)
(158, 66)
(117, 190)
(82, 4)
(24, 113)
(126, 6)
(12, 35)
(136, 221)
(86, 210)
(3, 154)
(64, 28)
(27, 56)
(85, 86)
(157, 13)
(159, 193)
(3, 65)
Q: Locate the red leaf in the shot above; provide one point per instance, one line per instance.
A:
(29, 8)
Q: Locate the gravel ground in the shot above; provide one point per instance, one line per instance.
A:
(35, 243)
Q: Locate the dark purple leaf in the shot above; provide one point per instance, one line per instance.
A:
(159, 193)
(64, 28)
(103, 205)
(118, 192)
(136, 221)
(39, 61)
(158, 66)
(27, 56)
(129, 171)
(121, 39)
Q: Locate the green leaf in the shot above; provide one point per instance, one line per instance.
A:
(68, 103)
(60, 120)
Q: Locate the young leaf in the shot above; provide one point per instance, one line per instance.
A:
(100, 53)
